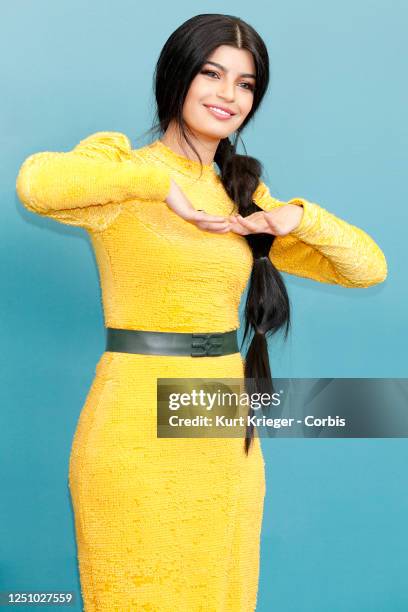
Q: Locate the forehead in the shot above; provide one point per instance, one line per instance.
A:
(236, 60)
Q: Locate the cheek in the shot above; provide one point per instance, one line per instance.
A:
(244, 110)
(195, 91)
(193, 110)
(190, 108)
(191, 101)
(246, 104)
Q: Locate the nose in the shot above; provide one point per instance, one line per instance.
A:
(226, 90)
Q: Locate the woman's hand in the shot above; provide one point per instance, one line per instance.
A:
(179, 203)
(278, 221)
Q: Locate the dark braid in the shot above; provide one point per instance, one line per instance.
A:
(267, 307)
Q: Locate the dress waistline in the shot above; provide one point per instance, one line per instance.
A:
(200, 344)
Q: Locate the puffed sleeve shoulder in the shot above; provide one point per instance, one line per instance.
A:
(86, 186)
(324, 247)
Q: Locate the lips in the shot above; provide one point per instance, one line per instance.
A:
(223, 108)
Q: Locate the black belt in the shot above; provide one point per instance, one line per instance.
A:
(171, 343)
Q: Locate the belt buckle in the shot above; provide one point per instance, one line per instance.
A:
(206, 345)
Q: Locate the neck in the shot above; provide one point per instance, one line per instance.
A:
(205, 146)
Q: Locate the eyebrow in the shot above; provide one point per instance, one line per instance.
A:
(243, 74)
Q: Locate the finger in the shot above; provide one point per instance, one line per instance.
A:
(234, 220)
(220, 231)
(211, 227)
(242, 220)
(246, 223)
(270, 221)
(214, 218)
(215, 223)
(239, 230)
(219, 228)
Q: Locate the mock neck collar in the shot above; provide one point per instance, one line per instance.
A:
(180, 162)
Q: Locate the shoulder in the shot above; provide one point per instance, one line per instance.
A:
(115, 146)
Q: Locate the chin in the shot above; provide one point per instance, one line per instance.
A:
(212, 132)
(208, 134)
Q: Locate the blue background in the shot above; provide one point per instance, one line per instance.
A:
(332, 129)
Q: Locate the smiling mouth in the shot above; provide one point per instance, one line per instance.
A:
(219, 113)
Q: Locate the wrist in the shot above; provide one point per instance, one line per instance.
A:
(298, 211)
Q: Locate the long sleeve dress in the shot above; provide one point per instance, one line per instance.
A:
(165, 524)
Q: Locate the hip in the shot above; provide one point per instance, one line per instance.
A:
(120, 411)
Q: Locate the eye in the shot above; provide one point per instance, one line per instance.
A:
(208, 72)
(249, 86)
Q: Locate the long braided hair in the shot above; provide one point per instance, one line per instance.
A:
(267, 307)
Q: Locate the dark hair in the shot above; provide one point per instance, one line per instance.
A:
(267, 306)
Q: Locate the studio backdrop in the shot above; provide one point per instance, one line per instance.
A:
(331, 129)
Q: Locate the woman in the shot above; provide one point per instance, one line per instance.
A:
(161, 523)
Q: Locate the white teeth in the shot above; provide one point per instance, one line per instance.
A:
(218, 110)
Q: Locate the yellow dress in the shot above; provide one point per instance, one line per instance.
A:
(170, 524)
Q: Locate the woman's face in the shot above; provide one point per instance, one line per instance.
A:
(227, 83)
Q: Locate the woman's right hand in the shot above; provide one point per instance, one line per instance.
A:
(179, 203)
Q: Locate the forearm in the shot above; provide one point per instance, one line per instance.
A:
(356, 258)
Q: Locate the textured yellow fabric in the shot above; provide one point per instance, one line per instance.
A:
(170, 524)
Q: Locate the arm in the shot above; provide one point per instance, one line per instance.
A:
(324, 247)
(85, 186)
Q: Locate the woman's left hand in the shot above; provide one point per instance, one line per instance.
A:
(278, 221)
